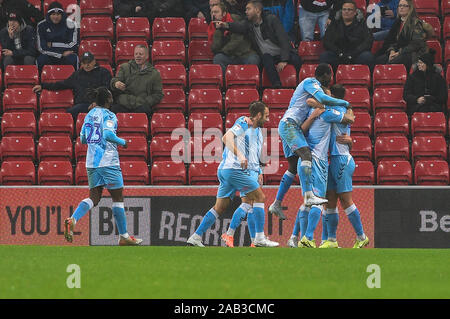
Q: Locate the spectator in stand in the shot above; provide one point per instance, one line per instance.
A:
(229, 48)
(18, 42)
(89, 76)
(57, 38)
(232, 6)
(285, 11)
(138, 85)
(150, 9)
(312, 12)
(347, 39)
(129, 8)
(425, 89)
(406, 39)
(268, 37)
(197, 9)
(30, 14)
(388, 12)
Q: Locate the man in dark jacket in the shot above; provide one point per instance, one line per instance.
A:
(89, 76)
(29, 12)
(17, 41)
(269, 38)
(425, 89)
(348, 40)
(57, 38)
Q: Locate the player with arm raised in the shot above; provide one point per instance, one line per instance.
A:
(102, 164)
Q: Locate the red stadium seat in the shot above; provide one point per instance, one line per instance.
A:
(81, 177)
(18, 148)
(361, 148)
(392, 75)
(80, 150)
(272, 123)
(125, 50)
(394, 173)
(18, 124)
(277, 99)
(137, 149)
(101, 49)
(272, 146)
(19, 100)
(199, 52)
(364, 173)
(93, 28)
(205, 76)
(79, 122)
(310, 51)
(232, 117)
(164, 148)
(168, 173)
(19, 76)
(362, 124)
(353, 75)
(205, 100)
(203, 173)
(362, 5)
(164, 29)
(165, 123)
(168, 52)
(198, 123)
(208, 148)
(172, 75)
(56, 101)
(135, 172)
(65, 4)
(288, 77)
(133, 28)
(386, 123)
(427, 124)
(96, 7)
(446, 28)
(447, 52)
(391, 148)
(388, 100)
(431, 173)
(277, 167)
(55, 73)
(244, 76)
(435, 23)
(174, 100)
(359, 98)
(428, 7)
(238, 100)
(55, 173)
(197, 29)
(51, 124)
(132, 124)
(445, 7)
(429, 148)
(55, 148)
(436, 45)
(18, 173)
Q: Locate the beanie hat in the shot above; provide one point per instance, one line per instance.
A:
(428, 58)
(55, 7)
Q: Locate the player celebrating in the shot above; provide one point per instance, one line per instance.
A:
(240, 170)
(294, 143)
(102, 164)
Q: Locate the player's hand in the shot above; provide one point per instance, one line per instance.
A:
(243, 161)
(37, 88)
(281, 66)
(260, 180)
(316, 113)
(344, 139)
(126, 144)
(120, 85)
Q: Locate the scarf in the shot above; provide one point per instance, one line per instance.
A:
(212, 27)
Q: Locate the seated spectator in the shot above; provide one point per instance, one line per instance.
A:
(197, 9)
(138, 85)
(57, 38)
(425, 89)
(406, 39)
(150, 9)
(89, 76)
(388, 12)
(129, 8)
(313, 12)
(347, 39)
(18, 42)
(285, 11)
(232, 6)
(229, 48)
(30, 14)
(268, 37)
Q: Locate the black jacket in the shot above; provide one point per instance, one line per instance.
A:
(271, 28)
(80, 81)
(193, 7)
(27, 40)
(127, 8)
(165, 8)
(429, 84)
(29, 13)
(350, 40)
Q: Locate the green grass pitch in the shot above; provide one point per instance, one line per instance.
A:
(217, 272)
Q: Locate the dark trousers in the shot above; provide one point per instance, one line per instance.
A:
(12, 60)
(118, 108)
(71, 59)
(365, 58)
(269, 62)
(404, 58)
(78, 108)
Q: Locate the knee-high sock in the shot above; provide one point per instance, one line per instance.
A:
(296, 229)
(324, 226)
(304, 213)
(208, 220)
(83, 207)
(119, 217)
(251, 224)
(238, 215)
(313, 220)
(258, 210)
(355, 219)
(304, 172)
(333, 220)
(285, 184)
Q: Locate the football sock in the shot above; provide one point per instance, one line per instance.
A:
(303, 219)
(238, 216)
(324, 226)
(251, 224)
(296, 229)
(355, 219)
(333, 220)
(83, 207)
(208, 220)
(119, 217)
(285, 184)
(258, 211)
(305, 175)
(313, 220)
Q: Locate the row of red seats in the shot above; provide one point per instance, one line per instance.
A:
(87, 7)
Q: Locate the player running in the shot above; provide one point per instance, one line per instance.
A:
(239, 170)
(294, 143)
(102, 164)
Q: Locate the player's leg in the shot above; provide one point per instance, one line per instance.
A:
(238, 215)
(251, 223)
(354, 217)
(329, 220)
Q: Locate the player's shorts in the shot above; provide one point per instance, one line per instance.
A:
(291, 136)
(341, 173)
(232, 180)
(108, 176)
(319, 176)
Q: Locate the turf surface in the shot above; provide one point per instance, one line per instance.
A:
(217, 272)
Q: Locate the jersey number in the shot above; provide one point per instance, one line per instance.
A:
(92, 137)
